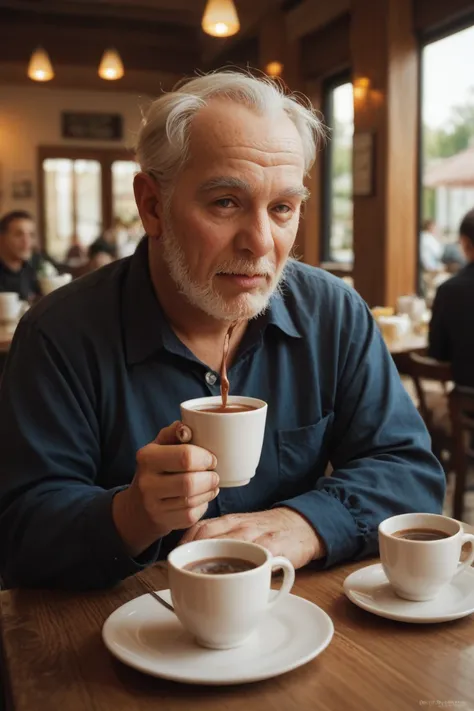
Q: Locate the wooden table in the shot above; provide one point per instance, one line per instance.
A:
(401, 349)
(54, 658)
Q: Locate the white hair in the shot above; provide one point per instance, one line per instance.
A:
(163, 139)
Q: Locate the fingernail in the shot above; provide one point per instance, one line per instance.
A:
(213, 462)
(183, 433)
(215, 480)
(216, 493)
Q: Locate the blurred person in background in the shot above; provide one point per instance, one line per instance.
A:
(99, 254)
(17, 241)
(452, 324)
(431, 248)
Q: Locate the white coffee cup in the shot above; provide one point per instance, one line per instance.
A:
(51, 283)
(235, 438)
(419, 570)
(10, 306)
(223, 611)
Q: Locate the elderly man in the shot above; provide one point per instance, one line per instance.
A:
(95, 481)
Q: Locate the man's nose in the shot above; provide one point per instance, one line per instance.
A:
(256, 235)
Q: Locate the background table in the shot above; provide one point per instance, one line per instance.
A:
(401, 349)
(55, 659)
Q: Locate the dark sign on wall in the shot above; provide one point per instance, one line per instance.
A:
(100, 127)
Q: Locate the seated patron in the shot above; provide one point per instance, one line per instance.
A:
(99, 254)
(452, 324)
(98, 478)
(17, 241)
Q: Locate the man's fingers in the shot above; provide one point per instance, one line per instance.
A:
(188, 484)
(212, 528)
(183, 518)
(189, 502)
(176, 433)
(176, 458)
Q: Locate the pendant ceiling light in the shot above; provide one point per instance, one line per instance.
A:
(111, 65)
(274, 69)
(40, 67)
(220, 18)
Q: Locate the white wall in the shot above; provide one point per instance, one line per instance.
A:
(31, 117)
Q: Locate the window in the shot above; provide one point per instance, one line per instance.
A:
(85, 192)
(72, 203)
(447, 170)
(338, 205)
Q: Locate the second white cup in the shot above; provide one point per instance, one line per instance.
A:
(419, 569)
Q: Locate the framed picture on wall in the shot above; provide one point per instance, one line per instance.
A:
(91, 126)
(22, 185)
(363, 164)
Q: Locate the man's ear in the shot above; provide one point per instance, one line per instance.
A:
(148, 198)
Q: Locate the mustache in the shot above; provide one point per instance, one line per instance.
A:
(247, 267)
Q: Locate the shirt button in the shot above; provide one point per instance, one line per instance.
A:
(210, 378)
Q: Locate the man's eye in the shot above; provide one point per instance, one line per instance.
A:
(282, 209)
(224, 202)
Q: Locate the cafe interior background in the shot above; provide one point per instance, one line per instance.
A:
(393, 80)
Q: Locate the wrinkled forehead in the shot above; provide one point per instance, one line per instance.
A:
(225, 130)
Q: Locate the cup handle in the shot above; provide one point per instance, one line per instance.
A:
(467, 538)
(289, 576)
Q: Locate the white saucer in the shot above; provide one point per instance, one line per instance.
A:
(149, 638)
(369, 589)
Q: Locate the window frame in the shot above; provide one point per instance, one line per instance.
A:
(329, 85)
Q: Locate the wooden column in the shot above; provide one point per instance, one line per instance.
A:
(275, 46)
(384, 51)
(310, 226)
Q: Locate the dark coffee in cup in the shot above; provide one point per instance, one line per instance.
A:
(228, 409)
(219, 566)
(421, 534)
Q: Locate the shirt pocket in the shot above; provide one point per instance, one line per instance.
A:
(303, 454)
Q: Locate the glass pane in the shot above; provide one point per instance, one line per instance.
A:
(127, 226)
(340, 223)
(88, 200)
(448, 154)
(58, 205)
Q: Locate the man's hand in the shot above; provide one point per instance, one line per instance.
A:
(171, 489)
(282, 531)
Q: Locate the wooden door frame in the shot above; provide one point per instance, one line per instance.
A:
(105, 156)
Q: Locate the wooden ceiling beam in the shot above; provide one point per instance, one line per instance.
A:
(68, 49)
(140, 83)
(85, 30)
(311, 15)
(170, 14)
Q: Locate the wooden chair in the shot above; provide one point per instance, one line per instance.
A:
(422, 368)
(461, 405)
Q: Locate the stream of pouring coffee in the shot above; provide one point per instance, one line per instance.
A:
(225, 385)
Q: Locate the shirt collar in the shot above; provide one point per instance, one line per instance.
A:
(146, 329)
(279, 315)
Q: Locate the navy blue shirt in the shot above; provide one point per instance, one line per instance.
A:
(95, 372)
